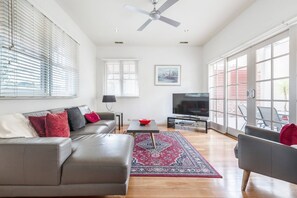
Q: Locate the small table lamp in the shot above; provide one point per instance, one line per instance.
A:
(108, 99)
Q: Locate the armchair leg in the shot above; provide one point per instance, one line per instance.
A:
(245, 179)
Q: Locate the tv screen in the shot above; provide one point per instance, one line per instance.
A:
(196, 104)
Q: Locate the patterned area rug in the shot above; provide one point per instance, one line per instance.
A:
(174, 156)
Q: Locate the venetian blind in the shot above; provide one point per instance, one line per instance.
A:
(37, 59)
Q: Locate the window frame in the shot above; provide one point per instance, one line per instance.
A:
(121, 80)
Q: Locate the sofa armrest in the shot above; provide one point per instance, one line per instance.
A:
(106, 115)
(33, 161)
(262, 133)
(267, 157)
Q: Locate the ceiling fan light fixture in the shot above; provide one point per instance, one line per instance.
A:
(183, 42)
(119, 42)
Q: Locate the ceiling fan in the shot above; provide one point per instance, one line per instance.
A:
(155, 14)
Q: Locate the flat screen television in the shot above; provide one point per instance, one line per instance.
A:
(191, 104)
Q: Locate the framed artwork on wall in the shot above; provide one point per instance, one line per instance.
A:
(167, 75)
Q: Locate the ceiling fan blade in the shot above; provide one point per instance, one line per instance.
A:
(167, 5)
(144, 25)
(134, 9)
(169, 21)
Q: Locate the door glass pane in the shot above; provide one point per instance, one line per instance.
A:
(220, 67)
(263, 53)
(212, 81)
(232, 77)
(241, 108)
(232, 92)
(281, 47)
(242, 75)
(214, 114)
(220, 92)
(263, 90)
(242, 61)
(242, 92)
(231, 65)
(263, 70)
(220, 118)
(211, 70)
(282, 109)
(281, 89)
(212, 92)
(220, 79)
(231, 106)
(220, 105)
(240, 123)
(232, 121)
(281, 67)
(212, 104)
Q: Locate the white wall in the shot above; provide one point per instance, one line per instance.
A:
(155, 102)
(260, 17)
(87, 66)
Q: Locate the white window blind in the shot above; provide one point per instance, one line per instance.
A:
(121, 78)
(37, 59)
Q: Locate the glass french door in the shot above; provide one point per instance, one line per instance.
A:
(236, 93)
(271, 85)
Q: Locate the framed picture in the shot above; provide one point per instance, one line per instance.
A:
(168, 75)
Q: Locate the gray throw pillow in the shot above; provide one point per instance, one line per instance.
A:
(75, 118)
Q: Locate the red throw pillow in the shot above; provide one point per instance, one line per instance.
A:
(57, 125)
(288, 134)
(92, 117)
(38, 124)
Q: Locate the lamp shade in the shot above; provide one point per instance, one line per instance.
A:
(109, 98)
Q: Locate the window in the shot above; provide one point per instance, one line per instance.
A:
(272, 83)
(121, 78)
(216, 90)
(37, 58)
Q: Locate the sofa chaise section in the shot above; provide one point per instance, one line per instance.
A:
(92, 162)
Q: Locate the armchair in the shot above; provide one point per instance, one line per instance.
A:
(259, 151)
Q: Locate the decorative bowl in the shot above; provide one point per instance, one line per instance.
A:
(144, 122)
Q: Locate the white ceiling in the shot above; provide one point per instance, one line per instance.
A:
(202, 18)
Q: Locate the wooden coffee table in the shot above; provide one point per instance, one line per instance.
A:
(151, 128)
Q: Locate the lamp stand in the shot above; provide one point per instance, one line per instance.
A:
(108, 107)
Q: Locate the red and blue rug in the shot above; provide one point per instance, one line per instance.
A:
(173, 156)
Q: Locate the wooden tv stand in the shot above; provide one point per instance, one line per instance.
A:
(171, 121)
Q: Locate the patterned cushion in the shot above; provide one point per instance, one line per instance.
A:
(57, 125)
(38, 123)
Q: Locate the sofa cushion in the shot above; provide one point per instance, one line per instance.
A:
(99, 159)
(84, 109)
(15, 125)
(38, 123)
(57, 125)
(92, 117)
(288, 134)
(75, 118)
(88, 130)
(111, 124)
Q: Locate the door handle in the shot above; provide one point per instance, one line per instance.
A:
(251, 93)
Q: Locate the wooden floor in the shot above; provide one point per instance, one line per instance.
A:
(218, 150)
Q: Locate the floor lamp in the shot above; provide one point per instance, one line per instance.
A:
(108, 99)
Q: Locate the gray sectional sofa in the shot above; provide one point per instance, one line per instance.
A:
(93, 161)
